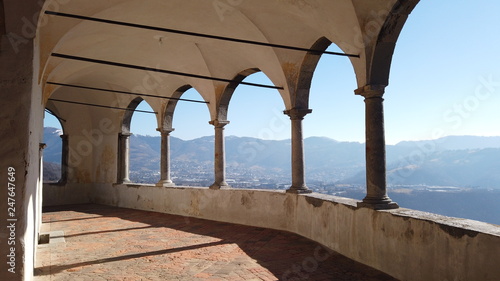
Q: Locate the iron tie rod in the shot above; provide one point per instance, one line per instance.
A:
(195, 34)
(96, 61)
(102, 106)
(122, 92)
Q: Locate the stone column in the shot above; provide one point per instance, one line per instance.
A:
(219, 159)
(165, 180)
(376, 193)
(64, 159)
(123, 157)
(298, 163)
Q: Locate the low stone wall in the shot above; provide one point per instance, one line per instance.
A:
(407, 244)
(56, 194)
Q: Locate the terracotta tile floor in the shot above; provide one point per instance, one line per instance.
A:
(108, 243)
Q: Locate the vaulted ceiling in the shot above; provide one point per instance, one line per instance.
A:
(367, 30)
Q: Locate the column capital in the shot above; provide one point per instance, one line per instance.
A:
(165, 130)
(297, 113)
(219, 123)
(371, 91)
(127, 134)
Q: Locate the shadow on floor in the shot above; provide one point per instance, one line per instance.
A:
(179, 247)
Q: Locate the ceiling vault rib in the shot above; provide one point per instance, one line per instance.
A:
(123, 92)
(96, 61)
(102, 106)
(195, 34)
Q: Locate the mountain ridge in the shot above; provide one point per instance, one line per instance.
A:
(446, 161)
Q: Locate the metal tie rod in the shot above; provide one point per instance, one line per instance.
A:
(216, 37)
(122, 92)
(161, 70)
(102, 106)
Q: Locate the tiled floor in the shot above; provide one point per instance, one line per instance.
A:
(107, 243)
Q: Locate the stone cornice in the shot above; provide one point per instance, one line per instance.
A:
(165, 130)
(371, 91)
(219, 123)
(297, 113)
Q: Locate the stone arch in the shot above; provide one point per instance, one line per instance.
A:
(168, 115)
(123, 162)
(127, 117)
(55, 113)
(64, 160)
(307, 71)
(379, 69)
(229, 91)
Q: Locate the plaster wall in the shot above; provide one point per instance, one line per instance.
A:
(92, 157)
(58, 195)
(407, 244)
(21, 117)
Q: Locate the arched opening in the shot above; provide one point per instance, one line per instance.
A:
(54, 138)
(192, 151)
(258, 137)
(188, 115)
(334, 132)
(144, 155)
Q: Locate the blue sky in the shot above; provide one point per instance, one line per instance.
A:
(445, 80)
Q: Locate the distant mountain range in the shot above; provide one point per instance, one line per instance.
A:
(462, 161)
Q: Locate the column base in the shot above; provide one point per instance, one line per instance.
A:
(165, 183)
(378, 204)
(300, 190)
(222, 185)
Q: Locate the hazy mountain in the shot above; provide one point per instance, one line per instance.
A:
(453, 143)
(145, 153)
(51, 137)
(51, 172)
(464, 161)
(461, 168)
